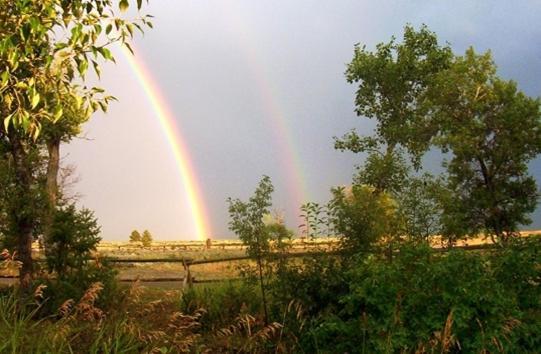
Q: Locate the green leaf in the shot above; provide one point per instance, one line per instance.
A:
(82, 67)
(129, 47)
(57, 113)
(123, 5)
(7, 120)
(35, 100)
(36, 131)
(139, 3)
(108, 28)
(103, 106)
(4, 77)
(96, 68)
(106, 53)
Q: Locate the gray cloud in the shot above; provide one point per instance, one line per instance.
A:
(217, 61)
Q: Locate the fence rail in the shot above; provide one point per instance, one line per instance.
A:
(188, 279)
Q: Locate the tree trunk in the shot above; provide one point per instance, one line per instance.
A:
(53, 166)
(262, 285)
(23, 211)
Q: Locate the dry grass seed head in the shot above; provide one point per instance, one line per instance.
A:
(9, 261)
(38, 292)
(65, 309)
(85, 307)
(134, 292)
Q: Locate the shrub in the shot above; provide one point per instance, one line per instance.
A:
(74, 236)
(423, 301)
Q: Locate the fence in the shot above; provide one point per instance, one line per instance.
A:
(188, 280)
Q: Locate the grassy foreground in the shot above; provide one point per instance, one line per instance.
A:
(421, 301)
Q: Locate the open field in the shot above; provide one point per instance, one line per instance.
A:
(171, 273)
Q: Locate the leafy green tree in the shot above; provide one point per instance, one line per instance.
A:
(248, 223)
(424, 96)
(363, 219)
(392, 83)
(419, 207)
(74, 236)
(52, 135)
(146, 238)
(491, 130)
(315, 221)
(135, 236)
(45, 47)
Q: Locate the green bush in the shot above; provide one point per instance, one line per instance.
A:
(73, 237)
(317, 283)
(424, 301)
(74, 285)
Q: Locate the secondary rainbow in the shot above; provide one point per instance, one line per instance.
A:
(282, 130)
(176, 142)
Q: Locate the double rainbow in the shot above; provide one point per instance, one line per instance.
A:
(173, 135)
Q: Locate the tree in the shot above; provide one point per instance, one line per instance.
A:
(146, 238)
(491, 130)
(392, 82)
(363, 218)
(135, 236)
(52, 135)
(420, 208)
(74, 235)
(45, 47)
(315, 221)
(423, 96)
(248, 222)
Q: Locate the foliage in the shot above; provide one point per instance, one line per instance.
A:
(74, 236)
(73, 239)
(135, 236)
(423, 95)
(73, 286)
(222, 302)
(316, 283)
(44, 47)
(417, 303)
(392, 82)
(385, 172)
(492, 131)
(419, 207)
(248, 222)
(146, 238)
(363, 218)
(315, 220)
(15, 204)
(82, 325)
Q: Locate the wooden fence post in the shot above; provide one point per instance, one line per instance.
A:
(187, 281)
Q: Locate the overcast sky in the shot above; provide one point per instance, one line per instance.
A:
(257, 87)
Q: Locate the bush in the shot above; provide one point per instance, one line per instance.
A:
(316, 283)
(74, 285)
(424, 301)
(74, 236)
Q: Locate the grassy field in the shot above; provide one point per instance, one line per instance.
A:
(199, 250)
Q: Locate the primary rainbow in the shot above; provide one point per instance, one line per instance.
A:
(176, 142)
